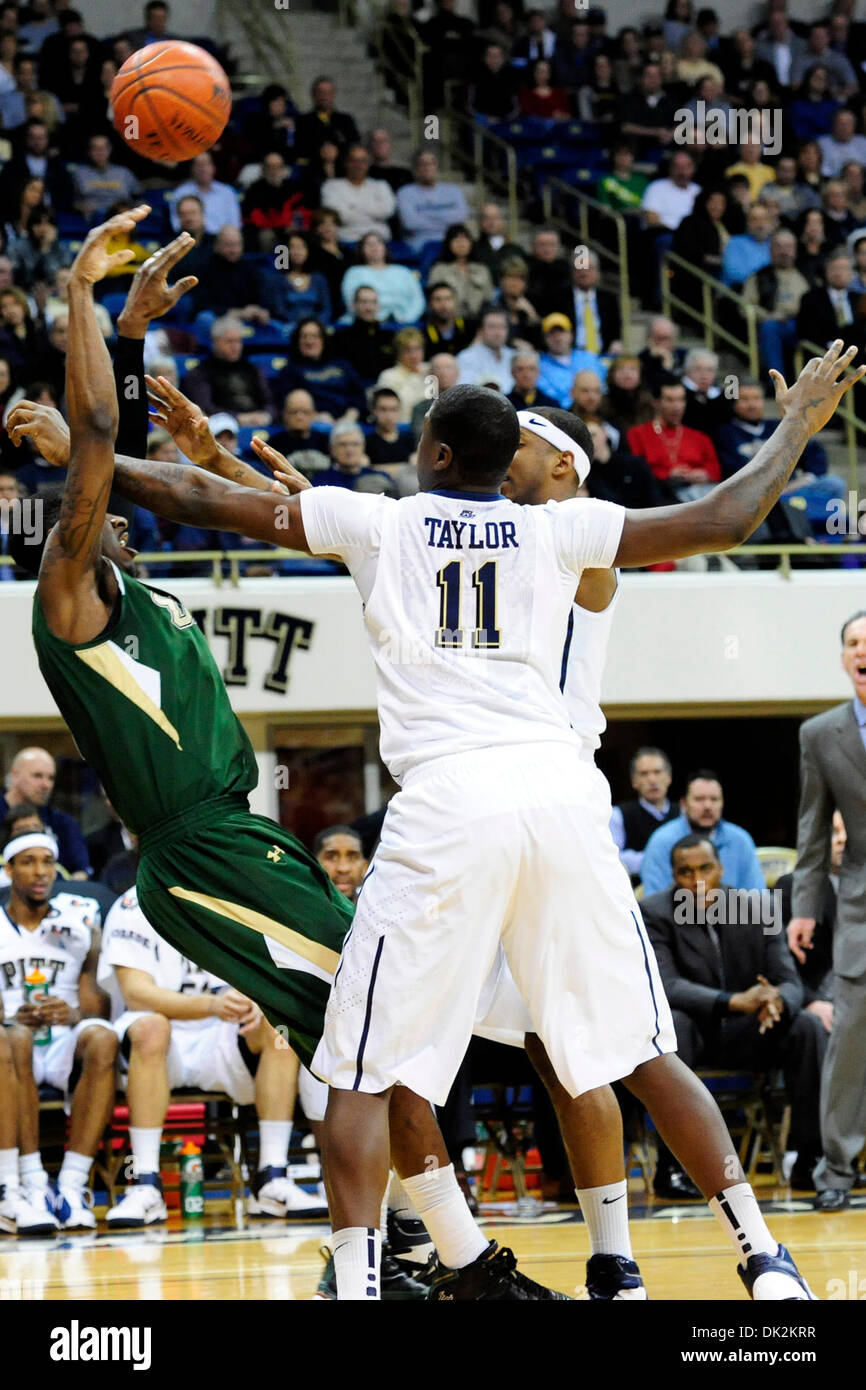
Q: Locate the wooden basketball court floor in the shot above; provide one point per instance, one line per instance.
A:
(682, 1252)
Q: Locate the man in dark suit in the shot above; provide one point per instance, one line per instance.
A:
(324, 122)
(833, 777)
(833, 311)
(593, 311)
(34, 158)
(816, 966)
(734, 993)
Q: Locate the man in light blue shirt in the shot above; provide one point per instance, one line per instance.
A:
(220, 201)
(702, 814)
(561, 360)
(745, 255)
(427, 207)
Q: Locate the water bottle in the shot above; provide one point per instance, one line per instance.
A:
(35, 992)
(191, 1182)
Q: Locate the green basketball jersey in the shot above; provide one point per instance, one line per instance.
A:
(147, 707)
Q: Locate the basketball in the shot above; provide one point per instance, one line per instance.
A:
(171, 101)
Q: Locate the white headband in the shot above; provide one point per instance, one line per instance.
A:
(34, 839)
(547, 430)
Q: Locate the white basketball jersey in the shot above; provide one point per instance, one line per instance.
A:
(583, 659)
(130, 940)
(466, 601)
(57, 949)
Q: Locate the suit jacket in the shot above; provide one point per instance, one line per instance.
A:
(816, 321)
(833, 777)
(608, 313)
(817, 970)
(689, 967)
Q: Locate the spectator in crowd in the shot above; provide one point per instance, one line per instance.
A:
(666, 202)
(445, 373)
(450, 38)
(487, 361)
(31, 779)
(226, 381)
(21, 341)
(787, 195)
(79, 90)
(839, 221)
(294, 290)
(831, 778)
(181, 1025)
(742, 67)
(633, 821)
(815, 968)
(622, 189)
(598, 99)
(707, 407)
(323, 121)
(327, 252)
(524, 322)
(627, 402)
(190, 216)
(617, 475)
(750, 164)
(700, 239)
(220, 202)
(841, 145)
(313, 366)
(10, 493)
(777, 291)
(25, 200)
(561, 360)
(780, 46)
(492, 245)
(549, 272)
(459, 268)
(586, 397)
(155, 28)
(573, 55)
(326, 164)
(38, 258)
(491, 92)
(398, 289)
(364, 204)
(339, 850)
(230, 284)
(387, 445)
(735, 996)
(742, 436)
(35, 159)
(272, 127)
(99, 183)
(526, 369)
(647, 114)
(679, 21)
(303, 445)
(407, 377)
(427, 208)
(274, 203)
(594, 311)
(858, 249)
(444, 329)
(811, 115)
(349, 463)
(682, 457)
(540, 98)
(381, 157)
(13, 104)
(833, 311)
(843, 79)
(812, 246)
(539, 41)
(854, 179)
(365, 342)
(701, 814)
(110, 839)
(746, 254)
(78, 1055)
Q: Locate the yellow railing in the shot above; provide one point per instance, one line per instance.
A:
(845, 411)
(482, 156)
(268, 32)
(711, 290)
(614, 261)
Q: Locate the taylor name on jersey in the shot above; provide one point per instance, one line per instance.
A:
(57, 949)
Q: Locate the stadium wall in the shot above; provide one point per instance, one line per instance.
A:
(687, 643)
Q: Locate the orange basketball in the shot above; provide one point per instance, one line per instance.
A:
(171, 101)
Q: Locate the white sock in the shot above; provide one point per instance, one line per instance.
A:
(399, 1200)
(442, 1207)
(75, 1170)
(383, 1219)
(145, 1149)
(357, 1253)
(605, 1211)
(32, 1172)
(274, 1138)
(9, 1171)
(737, 1212)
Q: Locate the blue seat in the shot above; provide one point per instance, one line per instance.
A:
(246, 434)
(185, 362)
(270, 364)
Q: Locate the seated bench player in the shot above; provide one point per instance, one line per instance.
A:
(49, 947)
(179, 1025)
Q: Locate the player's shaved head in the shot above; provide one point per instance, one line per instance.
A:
(468, 440)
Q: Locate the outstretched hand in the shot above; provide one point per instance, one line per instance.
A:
(182, 418)
(45, 426)
(94, 260)
(818, 389)
(150, 294)
(284, 472)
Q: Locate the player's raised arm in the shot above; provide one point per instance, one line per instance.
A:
(75, 586)
(729, 514)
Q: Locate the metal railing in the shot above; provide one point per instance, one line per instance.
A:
(711, 290)
(267, 31)
(845, 410)
(481, 155)
(615, 261)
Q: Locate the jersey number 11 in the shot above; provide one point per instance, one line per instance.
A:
(449, 581)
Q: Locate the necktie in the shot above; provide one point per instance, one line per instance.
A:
(590, 330)
(717, 952)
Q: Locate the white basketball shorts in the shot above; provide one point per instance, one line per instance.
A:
(203, 1055)
(507, 846)
(53, 1062)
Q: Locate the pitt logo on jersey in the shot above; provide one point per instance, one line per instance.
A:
(470, 535)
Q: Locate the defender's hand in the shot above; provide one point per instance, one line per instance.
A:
(284, 472)
(818, 389)
(150, 295)
(185, 421)
(45, 426)
(94, 260)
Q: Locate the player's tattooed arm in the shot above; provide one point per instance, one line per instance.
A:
(197, 498)
(729, 514)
